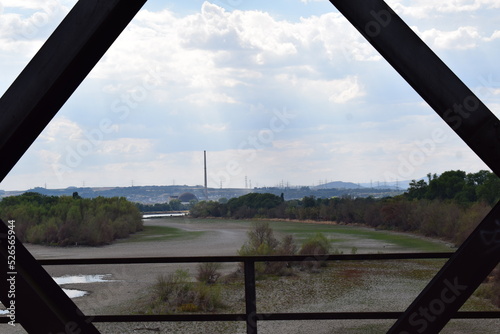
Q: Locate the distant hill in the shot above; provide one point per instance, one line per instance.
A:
(138, 194)
(338, 185)
(400, 185)
(395, 185)
(163, 194)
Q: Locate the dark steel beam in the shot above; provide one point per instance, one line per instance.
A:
(56, 71)
(456, 281)
(450, 98)
(250, 297)
(123, 318)
(26, 108)
(272, 316)
(32, 297)
(258, 258)
(455, 103)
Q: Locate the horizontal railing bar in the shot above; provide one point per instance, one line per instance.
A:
(168, 317)
(329, 316)
(197, 259)
(270, 316)
(366, 315)
(477, 315)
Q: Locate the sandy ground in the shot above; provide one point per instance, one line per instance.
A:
(129, 281)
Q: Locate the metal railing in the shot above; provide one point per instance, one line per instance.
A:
(251, 316)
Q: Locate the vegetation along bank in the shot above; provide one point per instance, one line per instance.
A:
(70, 220)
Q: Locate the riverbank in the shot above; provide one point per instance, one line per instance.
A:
(341, 287)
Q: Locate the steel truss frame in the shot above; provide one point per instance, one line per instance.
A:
(90, 29)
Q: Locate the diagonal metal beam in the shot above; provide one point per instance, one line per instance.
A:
(455, 103)
(456, 281)
(26, 108)
(70, 54)
(429, 76)
(31, 296)
(55, 72)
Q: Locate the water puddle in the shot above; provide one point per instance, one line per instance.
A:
(81, 279)
(77, 279)
(162, 215)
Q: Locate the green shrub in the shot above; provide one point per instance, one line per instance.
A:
(208, 297)
(317, 246)
(261, 241)
(176, 293)
(66, 221)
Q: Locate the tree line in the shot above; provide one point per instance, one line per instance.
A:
(70, 220)
(447, 206)
(173, 205)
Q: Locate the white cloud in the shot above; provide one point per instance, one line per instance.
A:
(35, 16)
(210, 80)
(214, 127)
(461, 39)
(337, 91)
(494, 35)
(423, 9)
(61, 129)
(48, 157)
(215, 47)
(132, 147)
(48, 6)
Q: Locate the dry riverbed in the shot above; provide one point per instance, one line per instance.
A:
(347, 286)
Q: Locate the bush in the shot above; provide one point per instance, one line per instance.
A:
(176, 293)
(318, 247)
(208, 272)
(262, 234)
(261, 241)
(66, 221)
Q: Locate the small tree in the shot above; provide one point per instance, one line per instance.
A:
(261, 234)
(208, 272)
(261, 241)
(318, 247)
(175, 205)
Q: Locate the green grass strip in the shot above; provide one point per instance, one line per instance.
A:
(162, 233)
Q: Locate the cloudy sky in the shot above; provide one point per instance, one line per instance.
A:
(274, 91)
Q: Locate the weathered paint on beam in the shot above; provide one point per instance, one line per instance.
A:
(455, 103)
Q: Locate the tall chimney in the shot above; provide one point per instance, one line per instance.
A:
(205, 160)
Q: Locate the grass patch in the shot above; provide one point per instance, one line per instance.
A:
(339, 234)
(162, 233)
(302, 231)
